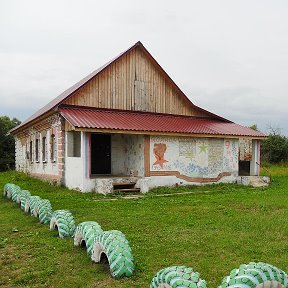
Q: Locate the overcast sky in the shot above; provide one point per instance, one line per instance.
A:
(228, 56)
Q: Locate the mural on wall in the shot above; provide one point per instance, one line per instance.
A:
(193, 157)
(230, 155)
(159, 151)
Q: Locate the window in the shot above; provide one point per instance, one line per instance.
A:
(27, 154)
(74, 144)
(53, 148)
(31, 152)
(37, 150)
(44, 150)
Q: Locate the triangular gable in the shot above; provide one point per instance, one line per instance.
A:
(77, 94)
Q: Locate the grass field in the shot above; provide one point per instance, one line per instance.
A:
(213, 230)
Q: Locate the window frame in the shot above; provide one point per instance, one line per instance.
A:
(44, 149)
(53, 148)
(31, 151)
(37, 144)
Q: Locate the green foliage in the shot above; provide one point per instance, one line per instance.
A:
(7, 144)
(274, 149)
(212, 230)
(254, 127)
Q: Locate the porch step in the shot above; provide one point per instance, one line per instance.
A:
(125, 187)
(131, 190)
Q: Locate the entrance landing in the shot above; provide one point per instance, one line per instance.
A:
(109, 184)
(255, 181)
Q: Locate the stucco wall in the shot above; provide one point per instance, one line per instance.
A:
(127, 155)
(118, 154)
(134, 155)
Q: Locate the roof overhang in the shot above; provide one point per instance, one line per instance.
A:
(135, 122)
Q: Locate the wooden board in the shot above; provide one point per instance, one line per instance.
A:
(134, 82)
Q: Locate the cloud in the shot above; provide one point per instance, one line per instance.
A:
(228, 56)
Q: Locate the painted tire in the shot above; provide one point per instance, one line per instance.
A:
(22, 198)
(115, 247)
(30, 204)
(86, 232)
(15, 191)
(177, 276)
(63, 220)
(6, 188)
(45, 206)
(256, 275)
(9, 189)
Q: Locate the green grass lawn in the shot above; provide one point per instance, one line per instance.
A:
(213, 230)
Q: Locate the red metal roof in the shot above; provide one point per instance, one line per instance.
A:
(93, 118)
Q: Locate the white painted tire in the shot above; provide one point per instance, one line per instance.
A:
(41, 203)
(31, 202)
(115, 247)
(63, 220)
(15, 191)
(256, 275)
(10, 189)
(85, 233)
(22, 198)
(177, 277)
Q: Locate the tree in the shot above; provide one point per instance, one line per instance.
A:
(254, 127)
(274, 149)
(7, 143)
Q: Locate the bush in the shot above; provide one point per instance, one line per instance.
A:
(7, 143)
(274, 149)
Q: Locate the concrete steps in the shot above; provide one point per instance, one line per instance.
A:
(125, 187)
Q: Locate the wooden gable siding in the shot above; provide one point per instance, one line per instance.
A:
(133, 83)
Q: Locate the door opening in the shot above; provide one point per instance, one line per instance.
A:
(101, 154)
(244, 168)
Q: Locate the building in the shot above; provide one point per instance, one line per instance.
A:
(128, 124)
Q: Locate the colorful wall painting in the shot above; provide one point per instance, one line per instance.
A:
(193, 157)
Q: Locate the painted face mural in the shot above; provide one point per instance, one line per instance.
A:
(159, 151)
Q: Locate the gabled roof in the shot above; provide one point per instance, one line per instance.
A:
(53, 105)
(125, 120)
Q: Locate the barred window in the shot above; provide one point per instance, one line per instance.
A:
(37, 150)
(31, 152)
(44, 149)
(53, 145)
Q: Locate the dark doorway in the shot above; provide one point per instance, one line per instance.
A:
(100, 154)
(244, 168)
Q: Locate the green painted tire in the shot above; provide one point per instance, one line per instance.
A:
(63, 220)
(15, 191)
(22, 197)
(85, 233)
(255, 275)
(45, 214)
(10, 189)
(115, 247)
(30, 204)
(41, 203)
(6, 188)
(177, 276)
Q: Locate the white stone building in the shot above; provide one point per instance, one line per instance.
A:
(128, 125)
